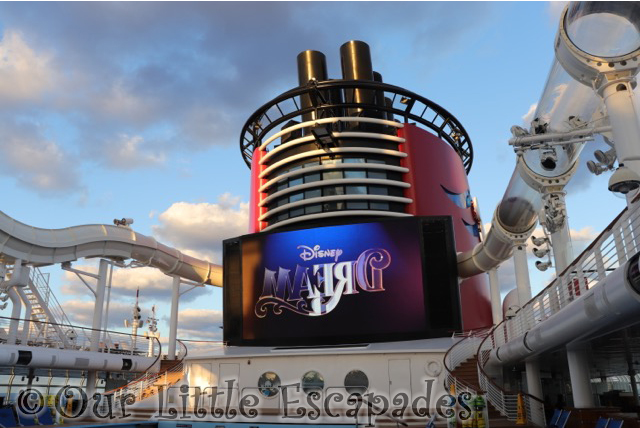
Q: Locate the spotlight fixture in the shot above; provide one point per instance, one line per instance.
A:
(596, 168)
(542, 266)
(548, 158)
(540, 252)
(538, 241)
(123, 222)
(324, 138)
(607, 158)
(511, 311)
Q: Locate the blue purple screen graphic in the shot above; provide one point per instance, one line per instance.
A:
(344, 283)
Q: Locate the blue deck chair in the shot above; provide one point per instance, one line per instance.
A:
(554, 419)
(615, 423)
(602, 422)
(564, 417)
(45, 417)
(26, 420)
(7, 417)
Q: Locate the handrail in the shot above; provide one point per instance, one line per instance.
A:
(37, 278)
(611, 248)
(483, 377)
(405, 104)
(607, 229)
(87, 338)
(450, 377)
(137, 386)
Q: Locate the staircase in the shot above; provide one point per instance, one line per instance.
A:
(50, 320)
(467, 373)
(149, 384)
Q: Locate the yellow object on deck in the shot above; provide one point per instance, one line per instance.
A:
(522, 418)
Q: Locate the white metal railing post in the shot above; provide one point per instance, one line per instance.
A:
(617, 239)
(581, 279)
(599, 264)
(628, 233)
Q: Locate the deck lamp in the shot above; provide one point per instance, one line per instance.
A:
(598, 44)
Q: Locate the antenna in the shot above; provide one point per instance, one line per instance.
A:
(136, 320)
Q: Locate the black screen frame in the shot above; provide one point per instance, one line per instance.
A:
(441, 303)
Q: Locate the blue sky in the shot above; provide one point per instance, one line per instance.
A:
(111, 110)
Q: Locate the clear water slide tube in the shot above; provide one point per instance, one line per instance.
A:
(598, 44)
(516, 215)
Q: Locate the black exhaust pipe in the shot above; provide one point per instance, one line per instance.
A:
(311, 65)
(355, 58)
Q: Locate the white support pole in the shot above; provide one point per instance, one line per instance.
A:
(173, 322)
(534, 385)
(97, 322)
(623, 116)
(16, 302)
(26, 326)
(106, 311)
(16, 308)
(562, 247)
(578, 359)
(99, 305)
(522, 273)
(496, 301)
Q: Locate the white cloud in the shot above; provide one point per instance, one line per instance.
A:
(555, 10)
(528, 117)
(34, 161)
(154, 285)
(200, 324)
(198, 229)
(125, 152)
(80, 312)
(118, 102)
(587, 233)
(24, 73)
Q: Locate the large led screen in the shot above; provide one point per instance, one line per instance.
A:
(352, 283)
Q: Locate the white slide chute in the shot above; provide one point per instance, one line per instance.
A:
(42, 247)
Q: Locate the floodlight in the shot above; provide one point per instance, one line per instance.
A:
(538, 241)
(542, 266)
(595, 168)
(540, 253)
(548, 158)
(606, 158)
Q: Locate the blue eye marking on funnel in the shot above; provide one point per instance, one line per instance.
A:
(462, 200)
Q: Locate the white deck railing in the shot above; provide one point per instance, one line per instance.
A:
(463, 350)
(612, 248)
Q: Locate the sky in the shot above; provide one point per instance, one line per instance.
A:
(117, 109)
